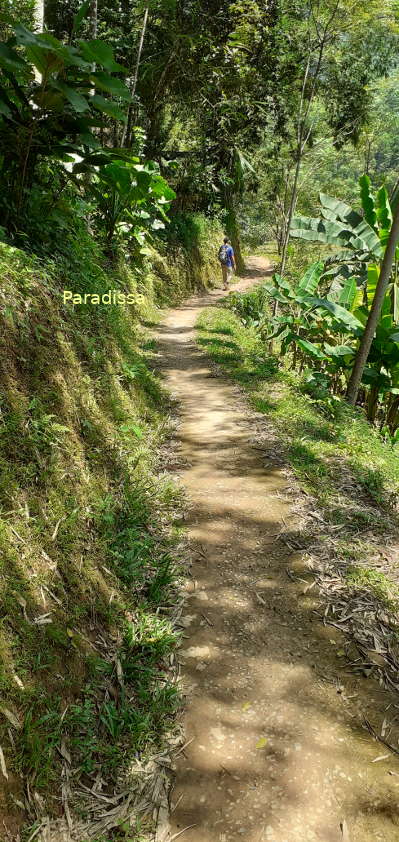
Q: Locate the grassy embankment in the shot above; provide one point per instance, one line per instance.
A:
(337, 457)
(89, 534)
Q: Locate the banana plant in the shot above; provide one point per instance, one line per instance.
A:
(359, 237)
(323, 335)
(315, 326)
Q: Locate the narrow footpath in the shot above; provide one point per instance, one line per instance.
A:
(275, 753)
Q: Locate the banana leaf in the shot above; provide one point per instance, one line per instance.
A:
(336, 209)
(367, 198)
(338, 350)
(365, 238)
(310, 280)
(321, 231)
(281, 333)
(373, 273)
(278, 296)
(309, 347)
(281, 282)
(344, 316)
(395, 303)
(384, 212)
(348, 293)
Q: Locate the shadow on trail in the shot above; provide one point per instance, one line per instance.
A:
(259, 664)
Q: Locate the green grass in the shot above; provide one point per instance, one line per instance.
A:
(335, 454)
(363, 578)
(90, 539)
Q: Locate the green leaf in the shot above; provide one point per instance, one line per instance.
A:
(320, 230)
(367, 198)
(106, 106)
(280, 282)
(78, 101)
(395, 303)
(338, 350)
(384, 212)
(278, 296)
(342, 315)
(44, 60)
(335, 209)
(111, 84)
(348, 293)
(310, 280)
(244, 163)
(365, 238)
(4, 109)
(373, 273)
(159, 187)
(27, 38)
(132, 428)
(98, 52)
(89, 139)
(10, 60)
(82, 13)
(44, 51)
(309, 347)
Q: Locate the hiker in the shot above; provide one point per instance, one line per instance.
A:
(227, 261)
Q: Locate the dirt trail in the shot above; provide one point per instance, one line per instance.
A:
(277, 754)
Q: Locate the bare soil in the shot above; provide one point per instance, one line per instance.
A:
(277, 750)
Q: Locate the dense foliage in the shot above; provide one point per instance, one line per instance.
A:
(323, 314)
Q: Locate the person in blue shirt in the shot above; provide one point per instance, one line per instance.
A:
(227, 261)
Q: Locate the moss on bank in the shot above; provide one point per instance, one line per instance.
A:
(89, 521)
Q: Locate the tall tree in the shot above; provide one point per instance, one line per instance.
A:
(344, 49)
(39, 12)
(94, 18)
(133, 83)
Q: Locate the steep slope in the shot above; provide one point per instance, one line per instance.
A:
(89, 546)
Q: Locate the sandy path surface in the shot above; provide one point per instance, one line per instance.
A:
(277, 754)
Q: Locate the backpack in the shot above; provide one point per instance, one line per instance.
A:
(223, 255)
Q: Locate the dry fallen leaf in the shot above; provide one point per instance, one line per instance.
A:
(344, 831)
(3, 766)
(119, 671)
(11, 718)
(43, 619)
(64, 751)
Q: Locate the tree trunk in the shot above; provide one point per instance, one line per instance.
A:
(38, 19)
(372, 404)
(39, 15)
(392, 417)
(140, 50)
(93, 18)
(286, 232)
(293, 200)
(232, 231)
(372, 321)
(128, 126)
